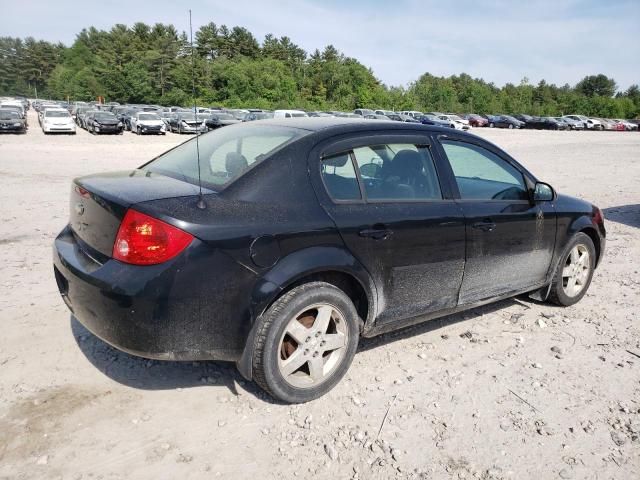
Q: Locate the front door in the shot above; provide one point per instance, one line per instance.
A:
(386, 200)
(510, 240)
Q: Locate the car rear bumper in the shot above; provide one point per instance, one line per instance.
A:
(172, 311)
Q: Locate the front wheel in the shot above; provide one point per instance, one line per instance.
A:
(305, 342)
(491, 125)
(575, 271)
(138, 131)
(510, 126)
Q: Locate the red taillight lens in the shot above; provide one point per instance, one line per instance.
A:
(598, 216)
(144, 240)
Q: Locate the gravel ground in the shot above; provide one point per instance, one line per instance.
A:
(514, 390)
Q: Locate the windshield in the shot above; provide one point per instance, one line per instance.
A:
(225, 154)
(8, 115)
(192, 118)
(104, 116)
(57, 114)
(148, 116)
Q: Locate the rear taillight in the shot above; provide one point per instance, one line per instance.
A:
(598, 216)
(144, 240)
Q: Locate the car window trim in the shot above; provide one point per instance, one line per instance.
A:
(364, 199)
(343, 143)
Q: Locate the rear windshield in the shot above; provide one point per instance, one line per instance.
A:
(225, 154)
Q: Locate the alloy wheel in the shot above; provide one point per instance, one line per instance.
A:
(313, 345)
(576, 270)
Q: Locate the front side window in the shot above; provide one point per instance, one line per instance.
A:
(397, 171)
(482, 175)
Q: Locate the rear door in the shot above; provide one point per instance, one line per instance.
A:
(510, 240)
(384, 195)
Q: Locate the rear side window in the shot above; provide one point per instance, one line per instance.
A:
(339, 177)
(225, 154)
(482, 175)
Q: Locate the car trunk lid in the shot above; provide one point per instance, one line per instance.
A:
(99, 202)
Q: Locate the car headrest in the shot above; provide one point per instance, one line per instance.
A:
(235, 163)
(337, 161)
(407, 163)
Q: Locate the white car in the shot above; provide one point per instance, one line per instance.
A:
(589, 123)
(57, 120)
(413, 114)
(459, 123)
(289, 114)
(147, 122)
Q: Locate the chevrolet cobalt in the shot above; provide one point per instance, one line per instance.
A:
(277, 244)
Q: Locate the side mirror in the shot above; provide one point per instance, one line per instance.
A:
(543, 192)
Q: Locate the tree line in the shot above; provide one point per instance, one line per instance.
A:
(153, 64)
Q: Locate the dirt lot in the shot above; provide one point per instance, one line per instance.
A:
(514, 390)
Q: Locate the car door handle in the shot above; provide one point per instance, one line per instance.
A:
(486, 226)
(376, 233)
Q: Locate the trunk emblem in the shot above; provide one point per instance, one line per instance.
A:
(79, 209)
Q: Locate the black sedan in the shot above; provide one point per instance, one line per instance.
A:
(11, 121)
(103, 122)
(308, 234)
(221, 119)
(546, 123)
(504, 121)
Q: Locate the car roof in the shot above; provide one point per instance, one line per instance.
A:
(338, 125)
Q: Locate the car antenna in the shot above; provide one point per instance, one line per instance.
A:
(201, 203)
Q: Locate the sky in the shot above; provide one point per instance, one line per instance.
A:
(498, 40)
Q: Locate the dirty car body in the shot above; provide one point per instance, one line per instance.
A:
(289, 201)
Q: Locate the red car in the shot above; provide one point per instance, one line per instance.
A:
(476, 120)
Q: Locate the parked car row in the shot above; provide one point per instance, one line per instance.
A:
(145, 119)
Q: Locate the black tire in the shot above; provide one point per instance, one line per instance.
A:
(491, 125)
(138, 131)
(271, 328)
(510, 126)
(557, 292)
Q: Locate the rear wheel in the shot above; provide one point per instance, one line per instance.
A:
(575, 271)
(305, 342)
(491, 125)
